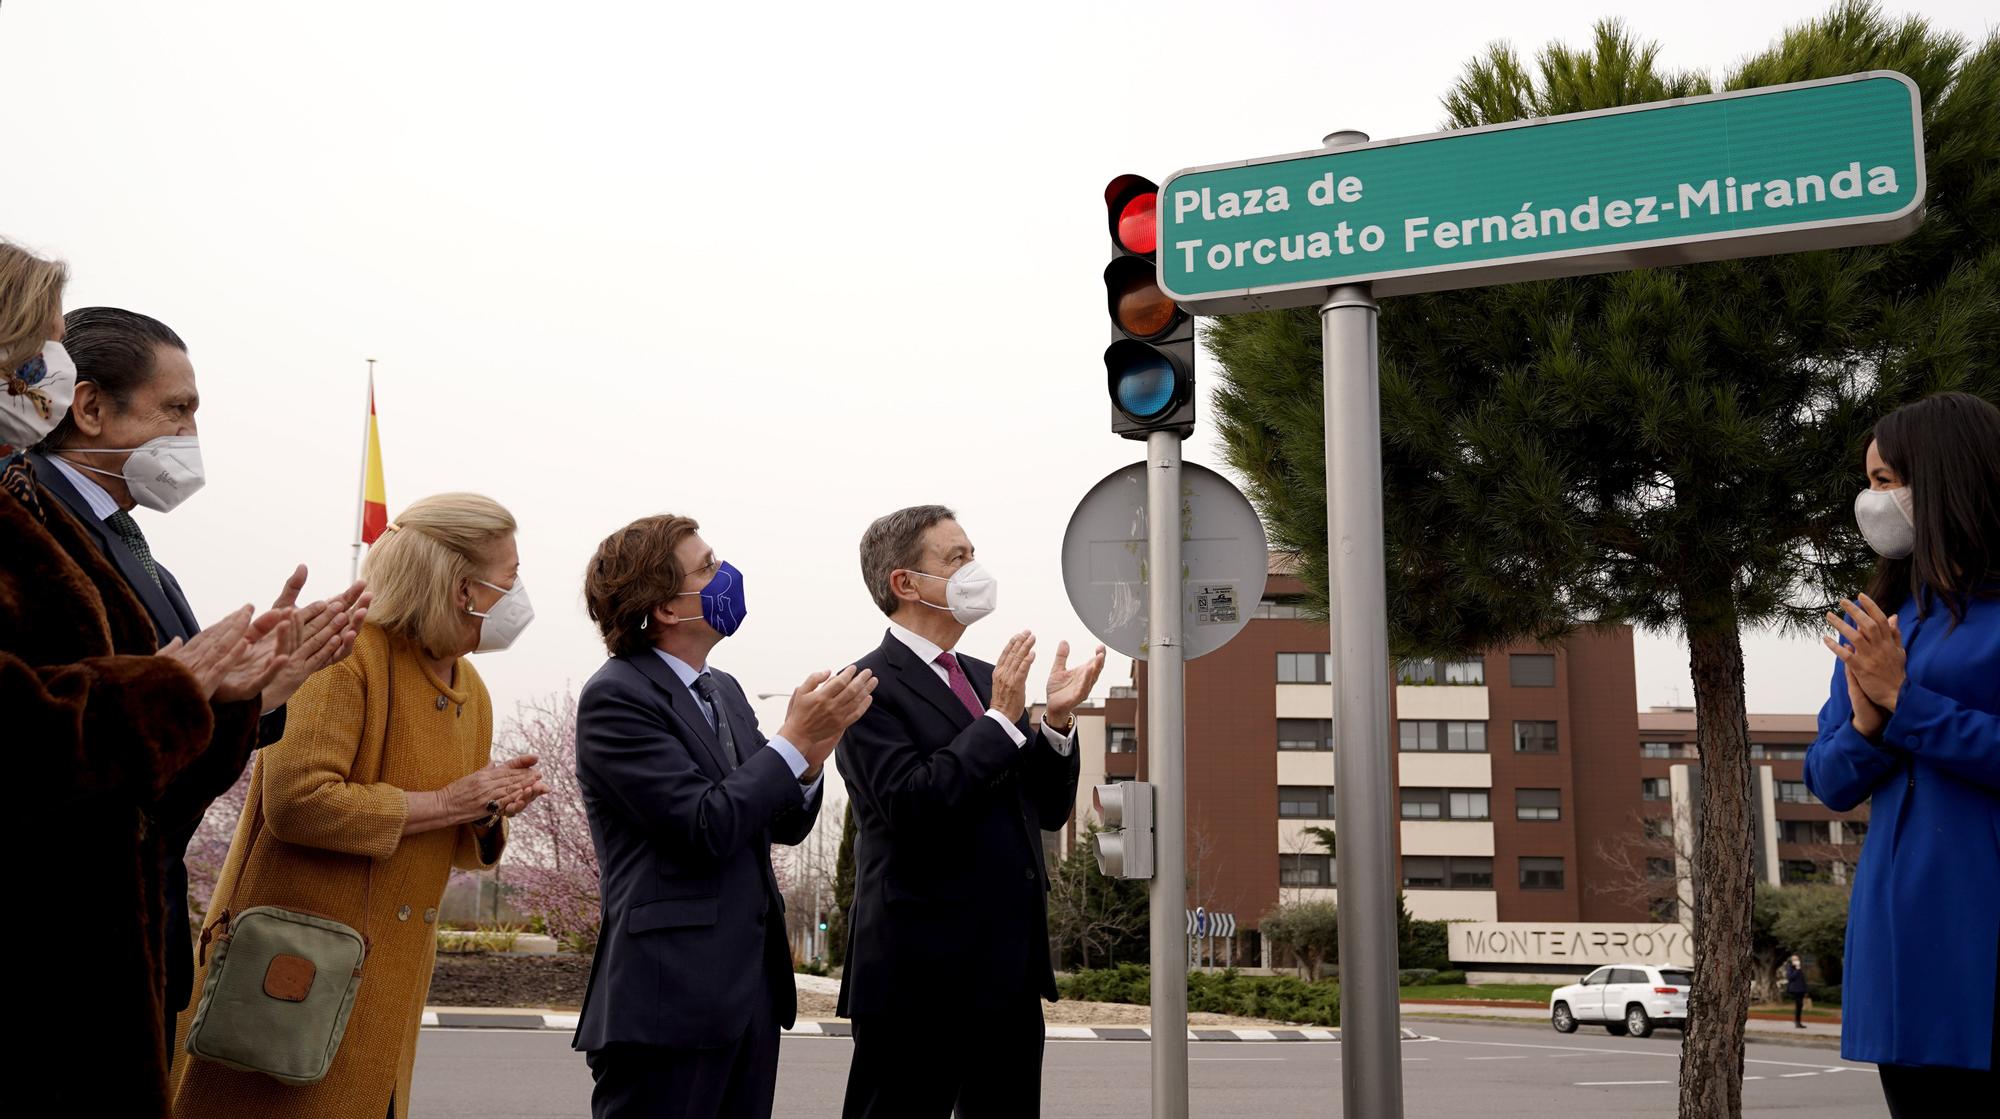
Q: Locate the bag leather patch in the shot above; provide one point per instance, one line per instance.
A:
(289, 978)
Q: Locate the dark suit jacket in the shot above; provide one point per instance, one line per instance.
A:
(179, 810)
(950, 886)
(693, 924)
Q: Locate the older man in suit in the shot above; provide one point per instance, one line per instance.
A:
(693, 979)
(951, 790)
(130, 440)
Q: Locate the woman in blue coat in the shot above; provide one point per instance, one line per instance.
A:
(1913, 728)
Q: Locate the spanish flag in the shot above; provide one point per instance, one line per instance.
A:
(374, 496)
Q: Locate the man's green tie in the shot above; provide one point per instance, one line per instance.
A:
(127, 529)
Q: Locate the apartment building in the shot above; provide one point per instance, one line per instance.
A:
(1530, 786)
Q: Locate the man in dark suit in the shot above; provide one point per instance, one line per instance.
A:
(135, 388)
(948, 958)
(692, 982)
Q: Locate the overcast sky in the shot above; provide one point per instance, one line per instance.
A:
(781, 267)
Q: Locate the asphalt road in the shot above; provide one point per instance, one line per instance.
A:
(1462, 1069)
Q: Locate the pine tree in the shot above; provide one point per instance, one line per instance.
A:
(1675, 448)
(843, 891)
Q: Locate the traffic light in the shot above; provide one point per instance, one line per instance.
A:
(822, 922)
(1125, 846)
(1149, 366)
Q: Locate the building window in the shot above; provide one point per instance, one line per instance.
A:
(1534, 737)
(1305, 802)
(1532, 670)
(1798, 872)
(1305, 668)
(1756, 751)
(1457, 872)
(1786, 753)
(1469, 872)
(1423, 872)
(1455, 736)
(1538, 804)
(1655, 788)
(1423, 804)
(1541, 873)
(1804, 831)
(1305, 870)
(1659, 868)
(1469, 804)
(1664, 911)
(1656, 749)
(1122, 740)
(1853, 831)
(1279, 608)
(1469, 671)
(1305, 734)
(1795, 792)
(1657, 828)
(1446, 804)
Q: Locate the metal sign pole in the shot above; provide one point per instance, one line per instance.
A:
(1167, 766)
(1371, 1067)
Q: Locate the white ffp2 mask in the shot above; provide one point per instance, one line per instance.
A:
(161, 473)
(970, 593)
(1887, 521)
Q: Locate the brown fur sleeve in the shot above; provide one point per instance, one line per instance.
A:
(105, 726)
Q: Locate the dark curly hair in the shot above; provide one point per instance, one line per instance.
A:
(633, 571)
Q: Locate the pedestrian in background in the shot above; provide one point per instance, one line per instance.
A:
(1795, 989)
(692, 981)
(1913, 728)
(130, 441)
(100, 721)
(378, 789)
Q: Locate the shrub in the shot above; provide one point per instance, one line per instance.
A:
(1824, 994)
(1282, 998)
(1415, 976)
(1452, 978)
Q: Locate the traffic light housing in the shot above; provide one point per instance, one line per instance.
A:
(1149, 366)
(1125, 846)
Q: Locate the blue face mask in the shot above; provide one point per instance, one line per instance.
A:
(722, 605)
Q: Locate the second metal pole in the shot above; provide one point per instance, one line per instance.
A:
(1167, 768)
(1371, 1067)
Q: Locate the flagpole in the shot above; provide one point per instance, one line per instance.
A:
(361, 489)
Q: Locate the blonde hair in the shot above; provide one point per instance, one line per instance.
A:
(30, 301)
(414, 569)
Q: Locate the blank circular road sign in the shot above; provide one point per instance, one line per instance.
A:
(1224, 559)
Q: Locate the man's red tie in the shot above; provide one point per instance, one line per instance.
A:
(960, 686)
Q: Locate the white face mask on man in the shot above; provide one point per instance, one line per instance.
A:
(970, 593)
(161, 473)
(1888, 521)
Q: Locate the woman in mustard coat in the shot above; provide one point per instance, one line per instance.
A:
(380, 786)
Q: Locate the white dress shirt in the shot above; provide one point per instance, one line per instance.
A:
(927, 651)
(797, 761)
(94, 495)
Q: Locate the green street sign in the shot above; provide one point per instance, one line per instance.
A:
(1814, 165)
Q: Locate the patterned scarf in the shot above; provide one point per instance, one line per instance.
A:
(18, 478)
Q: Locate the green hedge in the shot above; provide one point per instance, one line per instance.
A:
(1282, 998)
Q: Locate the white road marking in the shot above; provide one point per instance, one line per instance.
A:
(1795, 1075)
(1616, 1083)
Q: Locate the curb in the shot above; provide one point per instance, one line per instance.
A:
(532, 1020)
(1754, 1037)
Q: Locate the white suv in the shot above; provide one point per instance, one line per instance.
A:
(1624, 999)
